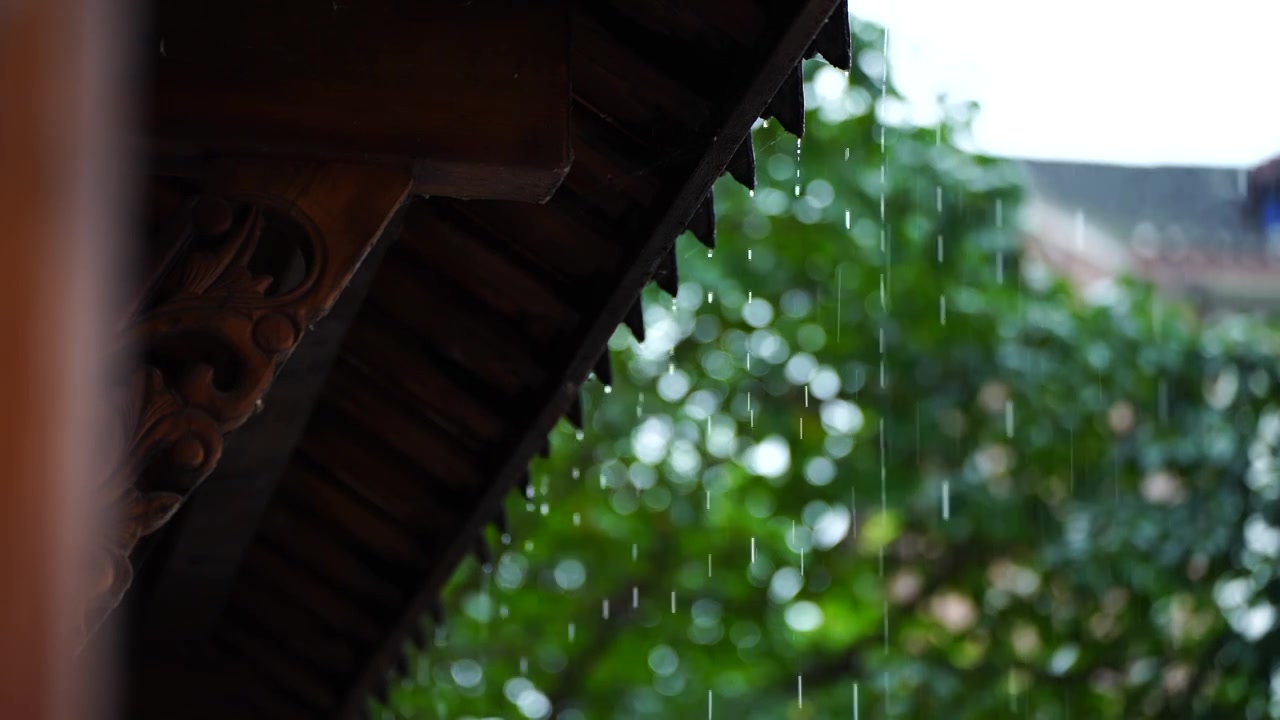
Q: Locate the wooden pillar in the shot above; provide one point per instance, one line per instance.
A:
(61, 94)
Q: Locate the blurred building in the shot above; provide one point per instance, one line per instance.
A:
(1209, 234)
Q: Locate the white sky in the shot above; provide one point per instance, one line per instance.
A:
(1124, 81)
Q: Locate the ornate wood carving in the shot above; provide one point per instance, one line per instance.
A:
(250, 269)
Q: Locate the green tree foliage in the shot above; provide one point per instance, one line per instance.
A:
(889, 460)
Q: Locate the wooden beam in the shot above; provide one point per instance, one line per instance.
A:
(473, 96)
(262, 257)
(787, 51)
(63, 193)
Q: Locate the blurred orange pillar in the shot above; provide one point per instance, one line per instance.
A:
(61, 93)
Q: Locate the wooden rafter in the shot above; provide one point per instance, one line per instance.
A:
(620, 305)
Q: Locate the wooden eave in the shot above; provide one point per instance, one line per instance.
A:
(293, 579)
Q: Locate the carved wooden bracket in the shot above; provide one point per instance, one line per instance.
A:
(250, 269)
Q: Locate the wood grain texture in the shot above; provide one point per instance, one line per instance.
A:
(473, 97)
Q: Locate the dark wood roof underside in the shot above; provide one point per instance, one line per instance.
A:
(480, 324)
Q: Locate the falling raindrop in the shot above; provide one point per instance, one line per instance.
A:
(839, 303)
(635, 597)
(748, 254)
(946, 499)
(939, 248)
(708, 564)
(848, 218)
(1008, 418)
(884, 489)
(604, 609)
(942, 309)
(886, 627)
(799, 691)
(571, 632)
(853, 511)
(1071, 444)
(797, 167)
(855, 701)
(673, 602)
(753, 551)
